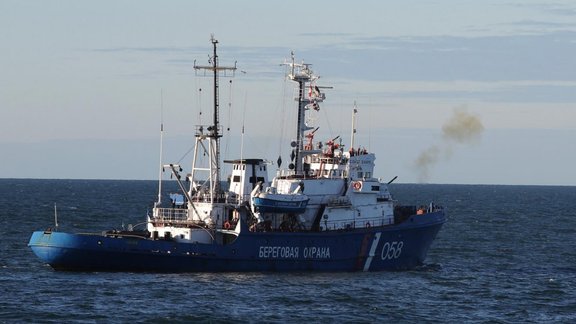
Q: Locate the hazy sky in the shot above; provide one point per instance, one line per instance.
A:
(81, 84)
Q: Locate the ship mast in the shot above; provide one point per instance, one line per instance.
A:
(301, 73)
(354, 111)
(214, 131)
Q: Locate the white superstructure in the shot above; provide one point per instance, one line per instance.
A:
(337, 185)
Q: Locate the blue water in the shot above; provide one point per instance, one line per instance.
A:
(506, 255)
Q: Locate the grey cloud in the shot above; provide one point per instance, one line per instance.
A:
(541, 24)
(519, 93)
(559, 9)
(488, 58)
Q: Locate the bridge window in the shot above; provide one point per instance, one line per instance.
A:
(254, 179)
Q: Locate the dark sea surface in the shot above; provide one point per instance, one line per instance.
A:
(506, 255)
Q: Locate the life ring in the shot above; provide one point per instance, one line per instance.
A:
(357, 185)
(227, 225)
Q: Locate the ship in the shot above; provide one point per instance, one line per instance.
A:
(325, 212)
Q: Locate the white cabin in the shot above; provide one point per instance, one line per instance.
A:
(246, 174)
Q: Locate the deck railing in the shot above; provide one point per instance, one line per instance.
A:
(171, 215)
(356, 223)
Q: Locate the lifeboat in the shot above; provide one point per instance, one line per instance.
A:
(265, 202)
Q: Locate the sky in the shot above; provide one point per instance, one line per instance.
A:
(84, 85)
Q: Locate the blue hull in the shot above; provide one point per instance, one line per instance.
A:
(397, 247)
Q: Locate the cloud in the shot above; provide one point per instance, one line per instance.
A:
(150, 49)
(443, 58)
(539, 24)
(547, 56)
(555, 8)
(325, 34)
(529, 91)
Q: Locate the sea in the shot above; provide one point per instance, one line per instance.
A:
(507, 254)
